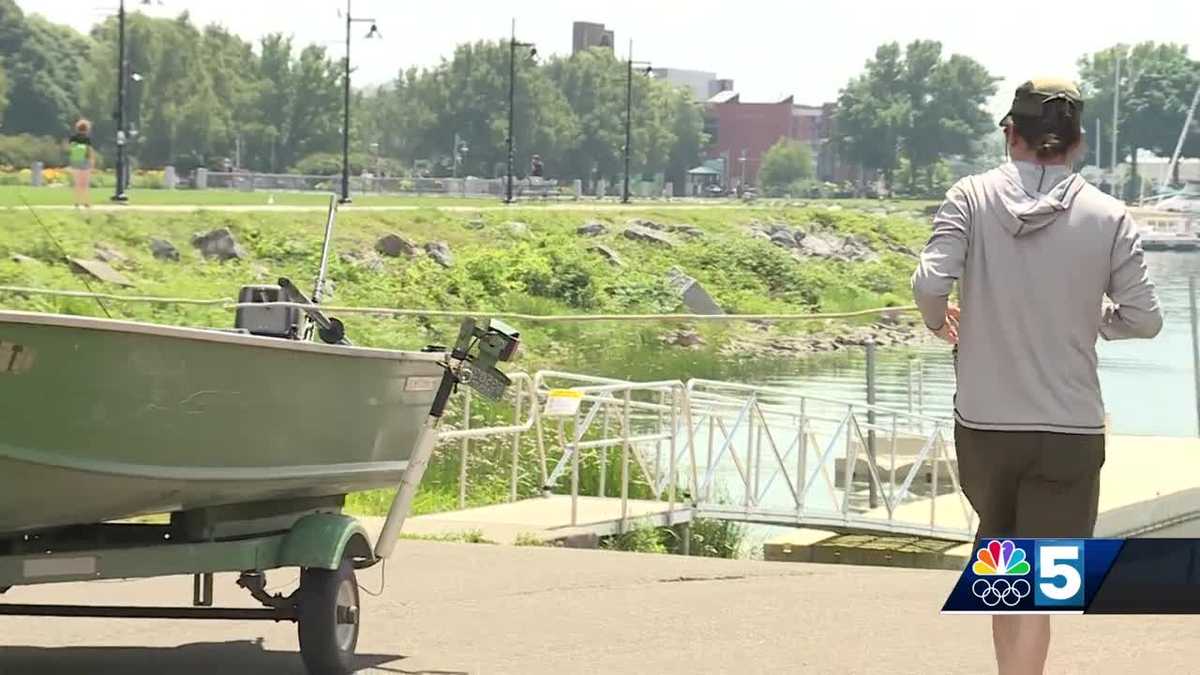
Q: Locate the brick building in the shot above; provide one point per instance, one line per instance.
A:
(740, 134)
(586, 35)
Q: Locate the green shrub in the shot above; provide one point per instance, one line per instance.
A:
(641, 538)
(22, 150)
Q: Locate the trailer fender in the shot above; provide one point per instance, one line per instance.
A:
(323, 540)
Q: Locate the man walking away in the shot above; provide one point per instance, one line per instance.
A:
(1044, 262)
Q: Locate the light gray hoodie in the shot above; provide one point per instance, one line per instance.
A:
(1036, 251)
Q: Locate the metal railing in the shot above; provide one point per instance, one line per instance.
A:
(368, 184)
(794, 459)
(748, 453)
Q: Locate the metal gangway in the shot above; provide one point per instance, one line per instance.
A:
(753, 454)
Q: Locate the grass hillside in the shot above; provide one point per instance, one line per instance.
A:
(529, 261)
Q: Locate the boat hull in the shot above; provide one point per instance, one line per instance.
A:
(108, 419)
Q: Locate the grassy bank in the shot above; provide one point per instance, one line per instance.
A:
(538, 266)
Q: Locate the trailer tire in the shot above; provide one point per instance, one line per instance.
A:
(328, 615)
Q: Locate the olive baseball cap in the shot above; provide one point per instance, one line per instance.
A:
(1034, 94)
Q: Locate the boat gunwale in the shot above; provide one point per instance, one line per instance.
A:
(211, 335)
(276, 473)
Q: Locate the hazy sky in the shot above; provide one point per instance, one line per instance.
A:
(771, 48)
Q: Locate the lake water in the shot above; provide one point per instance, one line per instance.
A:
(1147, 384)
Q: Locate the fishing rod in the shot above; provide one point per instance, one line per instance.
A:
(319, 288)
(63, 251)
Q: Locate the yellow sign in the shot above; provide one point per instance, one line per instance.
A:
(562, 402)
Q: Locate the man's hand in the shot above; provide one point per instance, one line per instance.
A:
(949, 329)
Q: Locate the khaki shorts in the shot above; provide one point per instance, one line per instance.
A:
(1031, 484)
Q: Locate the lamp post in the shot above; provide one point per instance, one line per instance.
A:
(119, 114)
(372, 33)
(630, 63)
(512, 102)
(119, 193)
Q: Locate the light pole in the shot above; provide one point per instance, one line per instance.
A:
(372, 33)
(512, 102)
(122, 130)
(119, 193)
(630, 63)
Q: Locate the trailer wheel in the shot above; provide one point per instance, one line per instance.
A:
(329, 619)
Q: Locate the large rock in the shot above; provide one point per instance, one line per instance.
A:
(394, 246)
(690, 231)
(834, 247)
(784, 238)
(592, 229)
(164, 250)
(370, 260)
(218, 244)
(694, 297)
(819, 246)
(440, 252)
(608, 254)
(517, 229)
(647, 235)
(649, 224)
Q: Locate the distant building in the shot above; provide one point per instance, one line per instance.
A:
(590, 35)
(703, 85)
(741, 133)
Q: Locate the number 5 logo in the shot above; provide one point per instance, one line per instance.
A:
(1059, 573)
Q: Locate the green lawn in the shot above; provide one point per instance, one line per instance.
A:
(63, 196)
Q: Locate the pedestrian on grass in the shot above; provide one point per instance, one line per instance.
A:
(81, 159)
(1044, 263)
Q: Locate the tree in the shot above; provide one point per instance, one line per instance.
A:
(785, 163)
(1156, 86)
(915, 105)
(43, 63)
(467, 96)
(871, 113)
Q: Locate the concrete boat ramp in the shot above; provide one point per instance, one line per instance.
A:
(548, 519)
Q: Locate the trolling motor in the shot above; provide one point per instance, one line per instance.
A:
(472, 362)
(271, 320)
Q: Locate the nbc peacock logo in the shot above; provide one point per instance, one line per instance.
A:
(1000, 559)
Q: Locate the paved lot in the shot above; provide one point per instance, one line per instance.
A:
(463, 608)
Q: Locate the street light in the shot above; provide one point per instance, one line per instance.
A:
(372, 33)
(122, 80)
(512, 101)
(630, 63)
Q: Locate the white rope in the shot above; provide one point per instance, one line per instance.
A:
(441, 313)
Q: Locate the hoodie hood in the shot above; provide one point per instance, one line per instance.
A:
(1035, 195)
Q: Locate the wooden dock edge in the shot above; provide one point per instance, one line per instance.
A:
(820, 546)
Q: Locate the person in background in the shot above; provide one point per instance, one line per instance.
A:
(81, 159)
(1045, 263)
